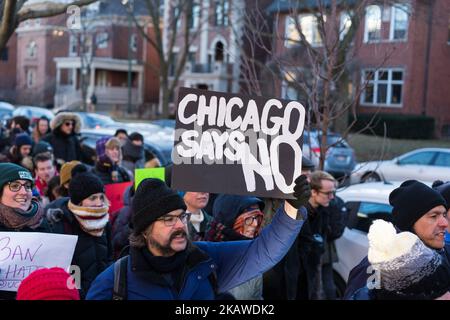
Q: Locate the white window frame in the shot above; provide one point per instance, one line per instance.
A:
(345, 23)
(196, 11)
(73, 45)
(389, 82)
(401, 7)
(134, 42)
(366, 24)
(221, 13)
(31, 77)
(32, 49)
(102, 40)
(291, 31)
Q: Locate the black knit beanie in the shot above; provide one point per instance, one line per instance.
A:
(411, 201)
(153, 199)
(82, 185)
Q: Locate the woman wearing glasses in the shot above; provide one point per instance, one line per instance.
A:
(63, 139)
(238, 218)
(19, 211)
(85, 214)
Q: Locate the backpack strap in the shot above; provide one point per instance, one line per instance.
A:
(120, 290)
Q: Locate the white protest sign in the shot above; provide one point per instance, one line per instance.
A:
(24, 252)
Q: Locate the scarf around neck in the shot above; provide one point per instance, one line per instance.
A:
(17, 219)
(91, 219)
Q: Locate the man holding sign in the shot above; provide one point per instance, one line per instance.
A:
(223, 144)
(164, 264)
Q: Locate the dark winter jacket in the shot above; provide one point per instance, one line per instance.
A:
(110, 173)
(234, 262)
(65, 147)
(204, 225)
(92, 254)
(120, 223)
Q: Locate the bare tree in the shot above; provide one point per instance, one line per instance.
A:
(87, 39)
(320, 63)
(174, 25)
(13, 12)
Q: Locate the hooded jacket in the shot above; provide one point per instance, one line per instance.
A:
(65, 147)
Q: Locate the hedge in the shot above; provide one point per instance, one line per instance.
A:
(398, 126)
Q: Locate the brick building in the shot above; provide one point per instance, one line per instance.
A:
(402, 53)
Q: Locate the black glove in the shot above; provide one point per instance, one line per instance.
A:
(302, 192)
(54, 215)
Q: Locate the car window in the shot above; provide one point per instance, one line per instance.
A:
(442, 159)
(370, 211)
(423, 158)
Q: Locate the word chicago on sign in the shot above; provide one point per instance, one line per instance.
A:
(236, 144)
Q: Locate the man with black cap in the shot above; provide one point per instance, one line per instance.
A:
(417, 208)
(164, 264)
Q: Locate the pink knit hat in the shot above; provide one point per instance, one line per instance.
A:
(47, 284)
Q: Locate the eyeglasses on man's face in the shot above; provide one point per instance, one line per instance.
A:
(171, 220)
(69, 123)
(15, 186)
(329, 194)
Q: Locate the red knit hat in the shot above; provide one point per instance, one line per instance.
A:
(47, 284)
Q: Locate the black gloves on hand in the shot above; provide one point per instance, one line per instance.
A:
(54, 215)
(302, 192)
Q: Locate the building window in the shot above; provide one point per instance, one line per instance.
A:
(32, 49)
(221, 13)
(399, 22)
(448, 37)
(72, 46)
(102, 40)
(173, 65)
(31, 78)
(4, 54)
(70, 74)
(194, 17)
(308, 26)
(345, 24)
(134, 42)
(102, 78)
(372, 30)
(288, 91)
(383, 87)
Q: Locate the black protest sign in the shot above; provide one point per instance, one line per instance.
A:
(234, 144)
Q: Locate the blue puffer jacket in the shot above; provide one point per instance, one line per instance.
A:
(234, 262)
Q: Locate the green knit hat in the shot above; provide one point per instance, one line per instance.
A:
(12, 172)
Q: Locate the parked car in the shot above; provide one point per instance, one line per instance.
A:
(6, 110)
(154, 145)
(427, 165)
(33, 113)
(365, 203)
(340, 158)
(95, 120)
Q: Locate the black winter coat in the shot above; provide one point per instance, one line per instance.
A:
(92, 254)
(106, 173)
(65, 147)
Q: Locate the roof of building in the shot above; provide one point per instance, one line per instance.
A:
(115, 7)
(288, 5)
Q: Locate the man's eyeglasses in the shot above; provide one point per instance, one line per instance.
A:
(329, 193)
(16, 185)
(69, 124)
(249, 220)
(170, 220)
